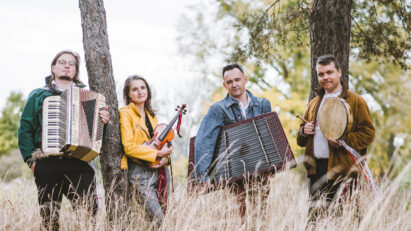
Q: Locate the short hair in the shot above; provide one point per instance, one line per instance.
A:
(76, 56)
(231, 66)
(327, 59)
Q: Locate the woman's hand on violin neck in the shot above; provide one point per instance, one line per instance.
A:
(165, 151)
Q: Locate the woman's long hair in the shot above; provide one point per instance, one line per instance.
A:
(76, 56)
(126, 91)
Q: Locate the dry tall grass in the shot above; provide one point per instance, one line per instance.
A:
(285, 208)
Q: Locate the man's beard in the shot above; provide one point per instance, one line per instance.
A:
(65, 77)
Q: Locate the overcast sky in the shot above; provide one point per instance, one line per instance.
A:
(141, 36)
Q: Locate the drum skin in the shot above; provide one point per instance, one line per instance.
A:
(335, 118)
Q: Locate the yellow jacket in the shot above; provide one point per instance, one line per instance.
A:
(134, 132)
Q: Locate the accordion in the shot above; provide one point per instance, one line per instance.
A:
(248, 148)
(72, 125)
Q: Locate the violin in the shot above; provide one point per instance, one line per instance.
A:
(164, 134)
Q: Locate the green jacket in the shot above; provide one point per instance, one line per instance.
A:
(359, 137)
(29, 133)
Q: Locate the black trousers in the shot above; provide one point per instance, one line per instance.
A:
(319, 185)
(56, 177)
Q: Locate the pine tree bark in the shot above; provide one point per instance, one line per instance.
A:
(100, 74)
(330, 27)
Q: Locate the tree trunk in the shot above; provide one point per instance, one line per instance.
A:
(330, 27)
(100, 73)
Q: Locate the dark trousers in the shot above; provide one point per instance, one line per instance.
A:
(56, 177)
(319, 185)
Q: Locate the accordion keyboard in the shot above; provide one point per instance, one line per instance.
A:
(71, 125)
(54, 129)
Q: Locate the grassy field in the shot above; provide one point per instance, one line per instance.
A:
(285, 208)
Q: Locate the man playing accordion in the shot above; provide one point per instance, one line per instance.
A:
(56, 176)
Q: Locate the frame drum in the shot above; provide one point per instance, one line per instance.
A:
(335, 118)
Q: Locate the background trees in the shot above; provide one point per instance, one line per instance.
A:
(12, 165)
(272, 38)
(9, 122)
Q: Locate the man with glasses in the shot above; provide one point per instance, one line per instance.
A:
(56, 176)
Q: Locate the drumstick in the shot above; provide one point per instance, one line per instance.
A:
(301, 118)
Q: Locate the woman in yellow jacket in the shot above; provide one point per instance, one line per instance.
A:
(137, 121)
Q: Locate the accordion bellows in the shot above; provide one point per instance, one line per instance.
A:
(72, 125)
(248, 148)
